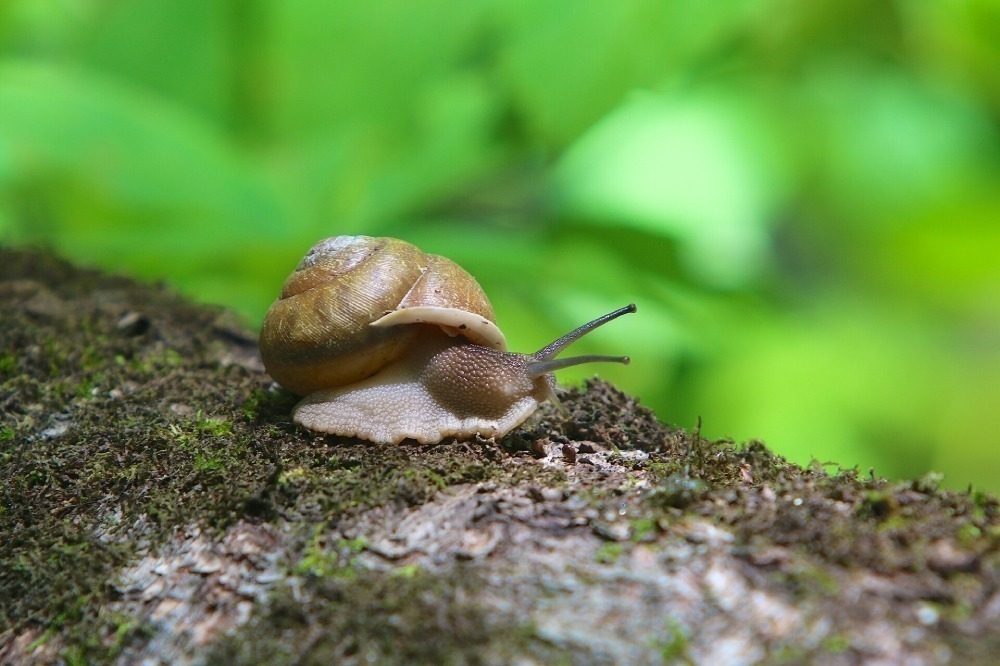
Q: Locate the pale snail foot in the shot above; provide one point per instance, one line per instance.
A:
(389, 409)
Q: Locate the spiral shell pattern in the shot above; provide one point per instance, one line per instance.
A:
(355, 304)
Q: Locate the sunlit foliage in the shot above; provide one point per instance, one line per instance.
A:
(803, 198)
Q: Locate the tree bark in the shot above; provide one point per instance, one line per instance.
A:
(158, 506)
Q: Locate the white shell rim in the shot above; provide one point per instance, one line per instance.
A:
(475, 327)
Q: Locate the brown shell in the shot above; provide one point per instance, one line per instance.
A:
(355, 303)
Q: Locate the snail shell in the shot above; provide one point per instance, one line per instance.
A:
(389, 343)
(341, 315)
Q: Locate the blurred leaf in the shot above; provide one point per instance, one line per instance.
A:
(182, 49)
(378, 117)
(693, 168)
(882, 139)
(848, 375)
(570, 62)
(123, 179)
(956, 42)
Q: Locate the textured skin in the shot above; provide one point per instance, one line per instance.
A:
(470, 380)
(398, 404)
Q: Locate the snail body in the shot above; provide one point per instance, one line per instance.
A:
(388, 343)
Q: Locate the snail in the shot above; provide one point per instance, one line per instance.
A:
(388, 343)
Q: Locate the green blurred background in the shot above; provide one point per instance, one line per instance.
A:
(802, 197)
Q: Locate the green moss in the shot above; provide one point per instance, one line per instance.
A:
(204, 463)
(804, 580)
(42, 640)
(288, 478)
(213, 427)
(73, 495)
(785, 653)
(644, 529)
(674, 645)
(408, 571)
(836, 644)
(414, 619)
(8, 364)
(126, 469)
(609, 552)
(170, 358)
(252, 405)
(338, 559)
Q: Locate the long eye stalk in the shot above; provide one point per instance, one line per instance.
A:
(545, 358)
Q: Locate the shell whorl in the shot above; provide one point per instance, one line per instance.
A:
(345, 312)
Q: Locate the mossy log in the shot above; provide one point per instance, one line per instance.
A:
(158, 506)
